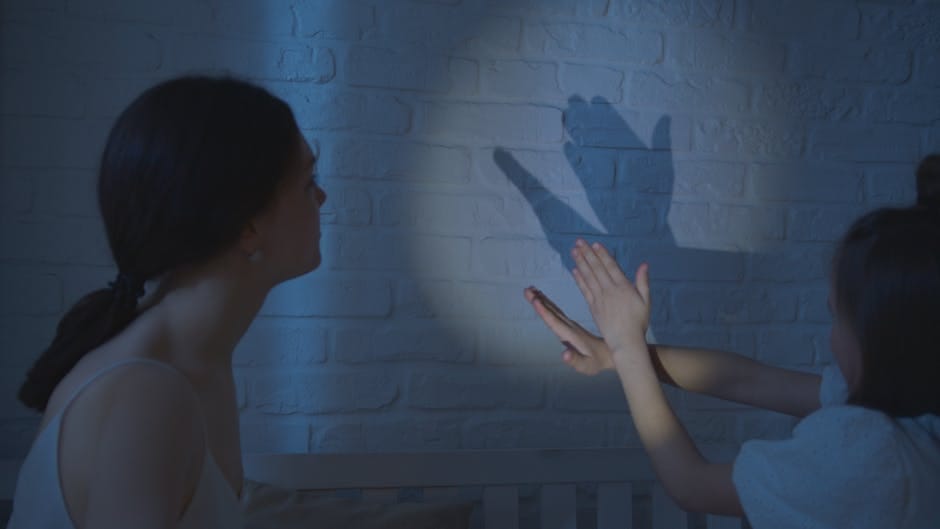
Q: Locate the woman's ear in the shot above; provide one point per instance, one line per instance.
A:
(249, 242)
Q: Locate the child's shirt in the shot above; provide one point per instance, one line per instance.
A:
(844, 466)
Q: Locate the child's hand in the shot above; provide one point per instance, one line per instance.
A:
(586, 353)
(620, 308)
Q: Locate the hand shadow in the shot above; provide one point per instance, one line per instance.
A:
(594, 128)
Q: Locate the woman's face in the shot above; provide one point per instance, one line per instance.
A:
(844, 345)
(292, 241)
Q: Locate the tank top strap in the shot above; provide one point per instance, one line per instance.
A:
(107, 369)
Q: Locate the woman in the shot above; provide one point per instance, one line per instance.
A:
(206, 189)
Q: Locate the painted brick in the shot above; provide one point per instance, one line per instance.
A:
(493, 122)
(619, 217)
(65, 192)
(332, 19)
(712, 14)
(16, 192)
(526, 432)
(916, 27)
(441, 213)
(56, 45)
(274, 436)
(23, 338)
(10, 407)
(29, 293)
(787, 347)
(599, 124)
(797, 263)
(173, 12)
(720, 225)
(521, 258)
(814, 306)
(493, 35)
(78, 242)
(483, 301)
(892, 184)
(599, 393)
(20, 10)
(368, 251)
(835, 20)
(820, 224)
(350, 112)
(528, 80)
(861, 62)
(592, 81)
(405, 69)
(551, 8)
(577, 169)
(52, 142)
(402, 342)
(594, 42)
(919, 107)
(281, 342)
(687, 93)
(43, 94)
(810, 182)
(412, 162)
(928, 66)
(16, 436)
(706, 180)
(809, 99)
(346, 206)
(246, 17)
(321, 392)
(426, 24)
(721, 53)
(439, 390)
(519, 343)
(669, 262)
(321, 295)
(863, 143)
(737, 138)
(738, 305)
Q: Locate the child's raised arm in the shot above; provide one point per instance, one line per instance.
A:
(737, 378)
(720, 374)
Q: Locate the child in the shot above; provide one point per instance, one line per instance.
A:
(867, 453)
(206, 187)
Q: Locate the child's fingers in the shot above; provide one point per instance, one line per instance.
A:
(584, 268)
(552, 320)
(580, 363)
(643, 282)
(594, 262)
(609, 264)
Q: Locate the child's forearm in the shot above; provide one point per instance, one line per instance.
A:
(737, 378)
(693, 482)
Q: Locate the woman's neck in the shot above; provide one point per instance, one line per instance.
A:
(202, 313)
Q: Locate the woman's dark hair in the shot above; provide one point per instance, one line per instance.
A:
(887, 286)
(186, 167)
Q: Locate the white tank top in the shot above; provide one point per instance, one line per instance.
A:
(39, 503)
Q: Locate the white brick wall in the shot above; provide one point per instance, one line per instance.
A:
(732, 142)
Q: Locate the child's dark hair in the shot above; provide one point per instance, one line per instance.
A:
(887, 286)
(186, 167)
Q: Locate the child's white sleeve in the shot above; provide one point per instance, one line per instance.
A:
(840, 469)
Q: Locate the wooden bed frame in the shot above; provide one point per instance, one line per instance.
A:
(624, 491)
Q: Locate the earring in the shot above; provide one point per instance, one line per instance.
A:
(255, 256)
